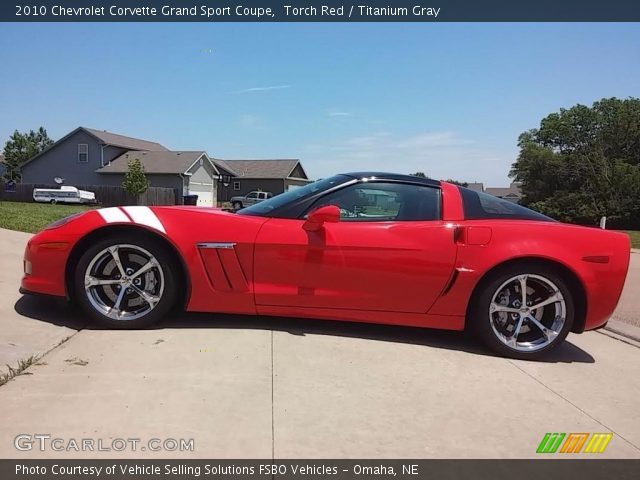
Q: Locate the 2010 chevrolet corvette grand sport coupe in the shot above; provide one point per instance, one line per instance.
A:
(366, 247)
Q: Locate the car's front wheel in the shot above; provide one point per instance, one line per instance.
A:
(523, 311)
(121, 283)
(237, 205)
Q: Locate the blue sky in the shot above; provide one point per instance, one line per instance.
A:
(446, 99)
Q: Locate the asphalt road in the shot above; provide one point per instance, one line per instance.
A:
(249, 387)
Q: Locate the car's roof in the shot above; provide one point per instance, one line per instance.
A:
(394, 176)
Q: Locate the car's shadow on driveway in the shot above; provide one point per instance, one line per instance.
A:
(62, 314)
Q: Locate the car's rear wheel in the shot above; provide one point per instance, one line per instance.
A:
(523, 311)
(121, 282)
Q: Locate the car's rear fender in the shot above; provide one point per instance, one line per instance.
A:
(596, 259)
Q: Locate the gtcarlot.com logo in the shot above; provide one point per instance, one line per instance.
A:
(574, 442)
(45, 442)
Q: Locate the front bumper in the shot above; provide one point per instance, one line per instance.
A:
(45, 259)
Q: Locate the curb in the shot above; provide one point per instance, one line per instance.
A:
(623, 329)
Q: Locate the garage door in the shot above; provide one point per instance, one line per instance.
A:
(204, 192)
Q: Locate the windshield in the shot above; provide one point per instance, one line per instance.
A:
(264, 208)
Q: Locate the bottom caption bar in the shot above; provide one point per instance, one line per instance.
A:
(308, 469)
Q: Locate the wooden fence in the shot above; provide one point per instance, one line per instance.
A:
(106, 196)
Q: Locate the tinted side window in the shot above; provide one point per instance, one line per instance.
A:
(293, 196)
(480, 205)
(378, 202)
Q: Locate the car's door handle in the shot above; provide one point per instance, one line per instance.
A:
(472, 235)
(458, 234)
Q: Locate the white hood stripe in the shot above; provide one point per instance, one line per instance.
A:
(141, 215)
(144, 216)
(113, 215)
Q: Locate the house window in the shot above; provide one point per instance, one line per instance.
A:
(83, 152)
(236, 185)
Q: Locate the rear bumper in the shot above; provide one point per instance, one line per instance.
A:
(604, 288)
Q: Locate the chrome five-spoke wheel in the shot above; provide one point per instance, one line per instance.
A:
(527, 312)
(523, 310)
(124, 282)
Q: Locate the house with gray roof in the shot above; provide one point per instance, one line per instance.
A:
(87, 156)
(239, 177)
(192, 173)
(513, 192)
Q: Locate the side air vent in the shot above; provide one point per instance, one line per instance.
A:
(223, 267)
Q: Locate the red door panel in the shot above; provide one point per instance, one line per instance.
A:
(386, 266)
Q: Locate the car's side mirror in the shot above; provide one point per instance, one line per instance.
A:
(317, 217)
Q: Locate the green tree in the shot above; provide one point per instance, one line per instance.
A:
(21, 147)
(450, 180)
(135, 181)
(583, 163)
(457, 182)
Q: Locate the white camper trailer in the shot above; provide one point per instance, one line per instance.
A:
(65, 194)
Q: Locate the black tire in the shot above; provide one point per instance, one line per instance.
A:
(479, 317)
(53, 201)
(166, 262)
(237, 205)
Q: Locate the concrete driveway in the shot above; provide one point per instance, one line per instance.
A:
(265, 387)
(628, 310)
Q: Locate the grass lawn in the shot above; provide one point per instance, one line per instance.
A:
(32, 217)
(635, 238)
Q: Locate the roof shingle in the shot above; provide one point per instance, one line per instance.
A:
(123, 141)
(154, 162)
(278, 168)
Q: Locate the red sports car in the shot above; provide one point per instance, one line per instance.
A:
(364, 247)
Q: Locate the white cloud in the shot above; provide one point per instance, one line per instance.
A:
(261, 89)
(339, 114)
(440, 154)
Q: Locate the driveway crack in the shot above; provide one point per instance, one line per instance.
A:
(25, 364)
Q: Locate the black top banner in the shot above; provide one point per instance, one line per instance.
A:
(320, 11)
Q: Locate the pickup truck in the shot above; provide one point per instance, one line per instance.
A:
(250, 199)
